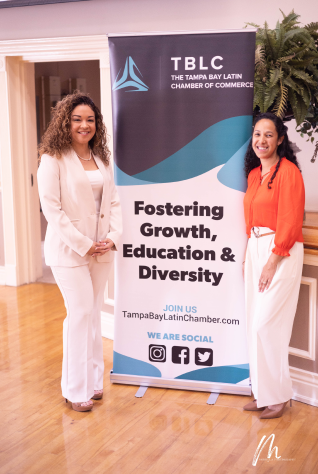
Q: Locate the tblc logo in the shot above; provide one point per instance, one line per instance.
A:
(129, 78)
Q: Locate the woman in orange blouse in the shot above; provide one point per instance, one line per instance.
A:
(274, 210)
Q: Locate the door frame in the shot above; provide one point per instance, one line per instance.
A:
(18, 155)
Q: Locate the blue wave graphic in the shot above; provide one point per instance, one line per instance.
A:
(224, 374)
(129, 366)
(123, 179)
(231, 174)
(213, 147)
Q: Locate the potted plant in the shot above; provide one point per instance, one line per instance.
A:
(286, 73)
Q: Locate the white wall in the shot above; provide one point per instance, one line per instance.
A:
(107, 16)
(309, 170)
(1, 235)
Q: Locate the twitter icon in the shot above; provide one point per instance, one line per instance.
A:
(204, 356)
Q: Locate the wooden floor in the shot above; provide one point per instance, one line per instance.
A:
(167, 431)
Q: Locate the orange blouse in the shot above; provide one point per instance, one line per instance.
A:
(280, 208)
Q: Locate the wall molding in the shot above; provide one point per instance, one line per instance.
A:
(2, 275)
(76, 48)
(8, 275)
(310, 259)
(17, 58)
(108, 322)
(2, 63)
(305, 386)
(110, 302)
(311, 353)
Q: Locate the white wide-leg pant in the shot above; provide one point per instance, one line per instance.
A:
(83, 364)
(270, 317)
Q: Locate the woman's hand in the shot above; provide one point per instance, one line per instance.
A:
(98, 248)
(268, 272)
(103, 247)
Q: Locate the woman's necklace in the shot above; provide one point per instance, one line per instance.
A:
(263, 176)
(85, 159)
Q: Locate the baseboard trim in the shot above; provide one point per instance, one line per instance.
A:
(108, 321)
(305, 386)
(2, 275)
(11, 277)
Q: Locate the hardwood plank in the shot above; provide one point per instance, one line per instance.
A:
(167, 431)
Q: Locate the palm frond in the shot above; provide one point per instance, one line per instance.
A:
(270, 95)
(280, 35)
(286, 70)
(304, 77)
(298, 34)
(259, 88)
(251, 24)
(292, 97)
(274, 76)
(290, 20)
(269, 41)
(293, 86)
(297, 50)
(313, 26)
(281, 102)
(260, 63)
(300, 110)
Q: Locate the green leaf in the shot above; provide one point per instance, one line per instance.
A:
(259, 95)
(304, 76)
(288, 81)
(291, 19)
(269, 97)
(275, 75)
(312, 26)
(251, 24)
(297, 33)
(281, 102)
(286, 69)
(300, 110)
(269, 41)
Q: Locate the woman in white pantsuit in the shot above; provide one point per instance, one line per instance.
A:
(274, 209)
(80, 202)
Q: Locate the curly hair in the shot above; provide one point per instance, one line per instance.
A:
(284, 150)
(57, 137)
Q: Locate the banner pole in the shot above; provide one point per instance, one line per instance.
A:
(180, 32)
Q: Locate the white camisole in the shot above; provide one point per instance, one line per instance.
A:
(96, 179)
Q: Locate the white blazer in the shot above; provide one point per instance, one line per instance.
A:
(68, 204)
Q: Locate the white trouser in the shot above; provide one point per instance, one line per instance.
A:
(83, 364)
(270, 317)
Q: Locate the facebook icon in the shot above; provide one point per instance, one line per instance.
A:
(180, 355)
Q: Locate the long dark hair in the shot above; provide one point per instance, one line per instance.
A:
(252, 161)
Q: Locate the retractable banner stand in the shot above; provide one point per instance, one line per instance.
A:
(182, 115)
